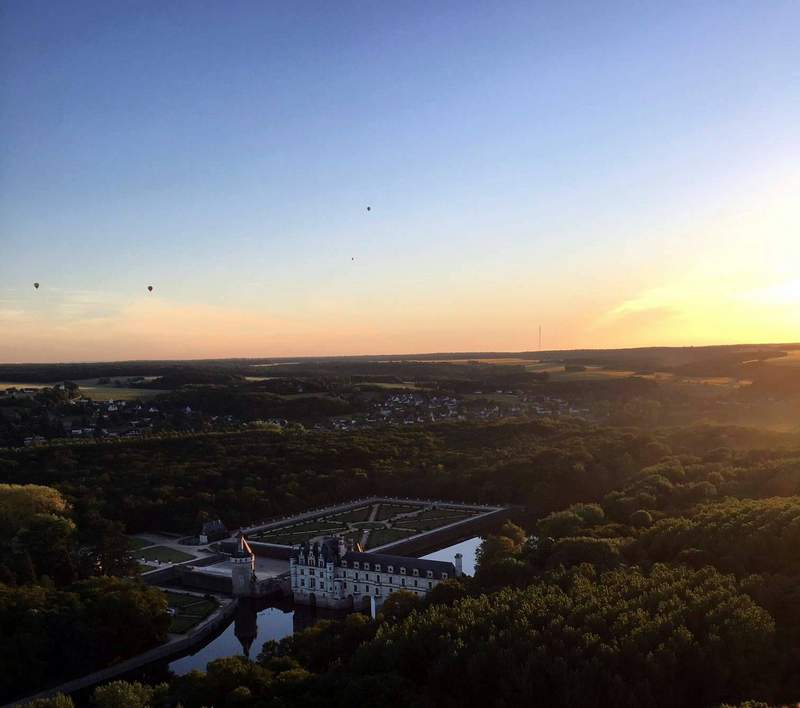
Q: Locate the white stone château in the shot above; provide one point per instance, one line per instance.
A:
(329, 574)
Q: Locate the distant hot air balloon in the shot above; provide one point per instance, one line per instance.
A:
(150, 288)
(36, 285)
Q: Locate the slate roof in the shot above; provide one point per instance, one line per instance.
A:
(384, 560)
(242, 549)
(329, 550)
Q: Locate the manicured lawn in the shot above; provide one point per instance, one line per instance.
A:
(428, 524)
(445, 513)
(380, 537)
(388, 511)
(287, 537)
(361, 514)
(139, 542)
(164, 554)
(316, 525)
(190, 610)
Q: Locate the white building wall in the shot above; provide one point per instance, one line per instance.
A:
(334, 585)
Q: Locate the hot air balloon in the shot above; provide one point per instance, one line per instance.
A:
(36, 285)
(150, 288)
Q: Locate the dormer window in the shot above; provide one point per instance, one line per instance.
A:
(415, 572)
(366, 566)
(444, 576)
(344, 564)
(390, 569)
(402, 570)
(377, 568)
(430, 574)
(356, 565)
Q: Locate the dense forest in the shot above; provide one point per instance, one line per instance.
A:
(643, 568)
(68, 603)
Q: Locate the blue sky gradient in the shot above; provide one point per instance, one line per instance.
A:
(564, 163)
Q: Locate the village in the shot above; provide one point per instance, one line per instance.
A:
(31, 416)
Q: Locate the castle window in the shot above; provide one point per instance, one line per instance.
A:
(390, 569)
(391, 580)
(344, 564)
(430, 583)
(444, 576)
(311, 571)
(402, 570)
(366, 566)
(356, 574)
(415, 572)
(321, 563)
(403, 582)
(377, 591)
(302, 572)
(416, 583)
(430, 573)
(355, 564)
(378, 567)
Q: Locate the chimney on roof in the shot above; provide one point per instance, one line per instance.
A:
(459, 566)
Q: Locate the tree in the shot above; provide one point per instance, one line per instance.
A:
(399, 605)
(49, 540)
(124, 694)
(20, 502)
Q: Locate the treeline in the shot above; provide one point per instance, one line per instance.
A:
(250, 403)
(175, 483)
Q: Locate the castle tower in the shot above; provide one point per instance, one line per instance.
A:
(243, 562)
(459, 565)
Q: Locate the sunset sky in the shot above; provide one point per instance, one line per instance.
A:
(622, 173)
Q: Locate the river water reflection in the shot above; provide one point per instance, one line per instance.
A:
(256, 623)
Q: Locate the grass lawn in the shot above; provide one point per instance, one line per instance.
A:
(164, 554)
(190, 610)
(388, 511)
(138, 543)
(292, 539)
(380, 537)
(443, 514)
(316, 525)
(361, 514)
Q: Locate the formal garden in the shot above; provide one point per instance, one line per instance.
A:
(372, 525)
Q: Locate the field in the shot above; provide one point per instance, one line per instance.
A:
(498, 361)
(163, 555)
(5, 385)
(792, 359)
(90, 388)
(189, 610)
(371, 525)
